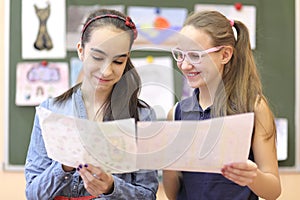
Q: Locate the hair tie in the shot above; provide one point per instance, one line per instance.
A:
(128, 22)
(231, 21)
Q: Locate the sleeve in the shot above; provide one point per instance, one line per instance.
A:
(45, 178)
(144, 185)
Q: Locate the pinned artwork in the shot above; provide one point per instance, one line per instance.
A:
(282, 138)
(75, 67)
(157, 83)
(39, 81)
(43, 29)
(43, 40)
(76, 18)
(237, 11)
(157, 27)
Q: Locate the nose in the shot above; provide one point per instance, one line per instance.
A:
(106, 69)
(185, 65)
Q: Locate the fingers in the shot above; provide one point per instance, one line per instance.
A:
(95, 180)
(97, 172)
(240, 173)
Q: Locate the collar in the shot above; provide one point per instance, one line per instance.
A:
(191, 104)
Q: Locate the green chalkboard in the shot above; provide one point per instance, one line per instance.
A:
(275, 55)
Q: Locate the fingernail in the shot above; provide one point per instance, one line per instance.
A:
(85, 165)
(80, 166)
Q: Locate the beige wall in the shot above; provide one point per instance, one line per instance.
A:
(12, 184)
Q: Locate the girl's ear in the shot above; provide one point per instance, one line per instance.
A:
(227, 52)
(80, 51)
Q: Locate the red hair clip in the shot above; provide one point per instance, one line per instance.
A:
(130, 24)
(127, 20)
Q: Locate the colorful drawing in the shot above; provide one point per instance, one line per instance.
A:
(157, 27)
(38, 81)
(237, 11)
(76, 17)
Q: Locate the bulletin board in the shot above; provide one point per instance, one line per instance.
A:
(274, 53)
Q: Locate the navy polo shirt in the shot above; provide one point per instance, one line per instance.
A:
(201, 185)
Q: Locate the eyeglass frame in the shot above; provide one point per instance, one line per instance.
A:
(200, 53)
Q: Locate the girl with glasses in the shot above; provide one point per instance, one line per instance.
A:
(219, 65)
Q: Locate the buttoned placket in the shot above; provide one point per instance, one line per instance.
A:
(75, 184)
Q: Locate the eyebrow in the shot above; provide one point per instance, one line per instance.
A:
(102, 52)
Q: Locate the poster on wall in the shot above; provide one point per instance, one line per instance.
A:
(157, 27)
(157, 83)
(238, 11)
(43, 29)
(282, 138)
(75, 71)
(39, 81)
(76, 18)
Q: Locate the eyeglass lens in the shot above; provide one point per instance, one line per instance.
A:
(194, 57)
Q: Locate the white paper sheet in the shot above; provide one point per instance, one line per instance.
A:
(176, 145)
(73, 141)
(195, 145)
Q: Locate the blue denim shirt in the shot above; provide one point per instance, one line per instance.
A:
(45, 178)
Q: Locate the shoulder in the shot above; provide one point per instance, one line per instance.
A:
(172, 112)
(57, 107)
(48, 103)
(264, 118)
(261, 107)
(146, 113)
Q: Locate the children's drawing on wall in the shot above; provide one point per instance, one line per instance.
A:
(43, 29)
(157, 27)
(43, 40)
(157, 83)
(238, 11)
(282, 138)
(76, 18)
(38, 81)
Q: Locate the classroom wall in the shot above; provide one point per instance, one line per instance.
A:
(12, 184)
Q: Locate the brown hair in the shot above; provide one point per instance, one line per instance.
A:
(123, 101)
(241, 87)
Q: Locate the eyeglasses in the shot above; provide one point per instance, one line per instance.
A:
(194, 57)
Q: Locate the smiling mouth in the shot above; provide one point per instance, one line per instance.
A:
(102, 80)
(192, 74)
